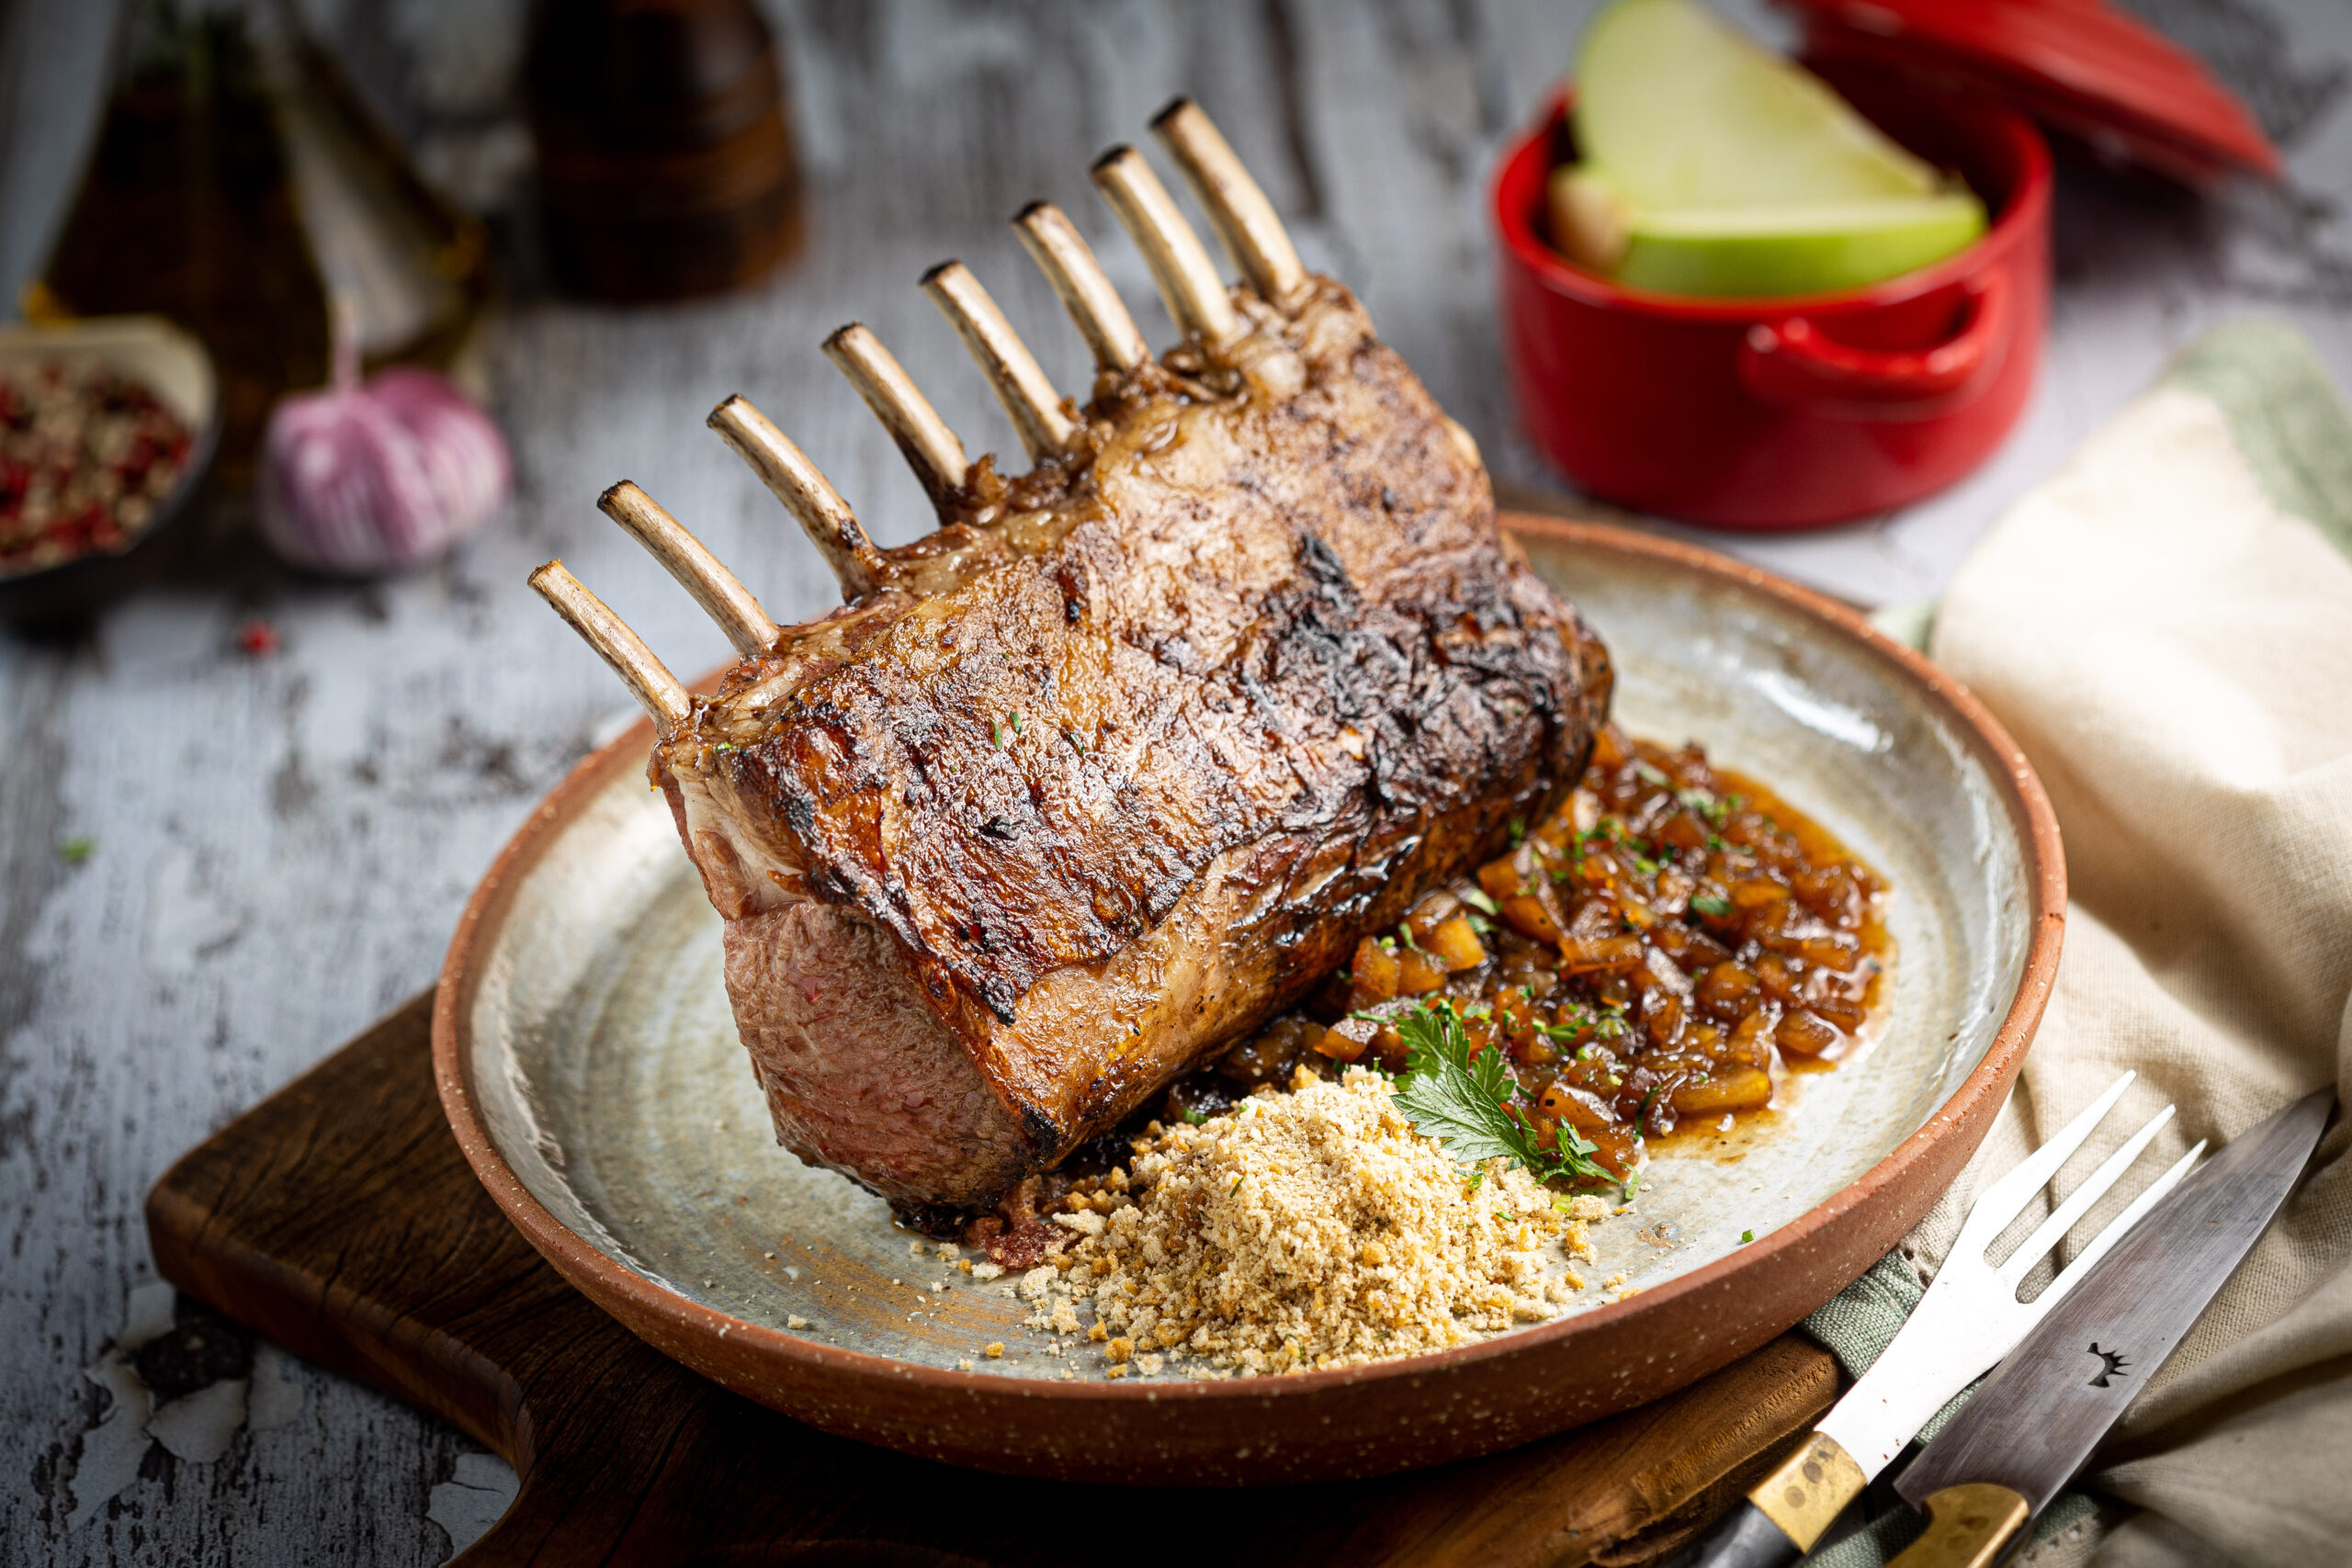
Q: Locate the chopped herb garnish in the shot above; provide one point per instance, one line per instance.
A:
(1651, 774)
(1746, 1236)
(1406, 933)
(1016, 721)
(1192, 1114)
(1712, 807)
(1464, 1102)
(1477, 898)
(74, 851)
(996, 734)
(1518, 832)
(1237, 1186)
(1707, 904)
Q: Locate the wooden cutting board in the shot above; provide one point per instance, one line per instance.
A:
(338, 1218)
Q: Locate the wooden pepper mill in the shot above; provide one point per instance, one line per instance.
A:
(665, 166)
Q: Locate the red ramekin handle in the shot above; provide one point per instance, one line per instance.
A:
(1791, 361)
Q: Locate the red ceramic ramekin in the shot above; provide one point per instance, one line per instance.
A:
(1796, 412)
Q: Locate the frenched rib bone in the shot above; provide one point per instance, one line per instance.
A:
(1126, 756)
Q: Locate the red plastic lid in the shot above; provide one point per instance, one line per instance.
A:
(2081, 67)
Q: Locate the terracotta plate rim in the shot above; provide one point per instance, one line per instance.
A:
(601, 1278)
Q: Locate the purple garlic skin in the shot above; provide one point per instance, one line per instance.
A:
(360, 480)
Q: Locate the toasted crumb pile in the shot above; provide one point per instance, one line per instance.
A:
(1313, 1229)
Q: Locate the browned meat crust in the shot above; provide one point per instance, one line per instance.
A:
(1129, 756)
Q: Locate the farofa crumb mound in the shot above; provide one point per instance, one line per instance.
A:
(1310, 1230)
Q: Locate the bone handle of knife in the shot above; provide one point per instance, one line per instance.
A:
(1968, 1525)
(1807, 1492)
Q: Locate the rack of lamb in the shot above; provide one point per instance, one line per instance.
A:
(1124, 759)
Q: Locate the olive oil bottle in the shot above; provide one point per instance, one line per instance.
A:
(237, 185)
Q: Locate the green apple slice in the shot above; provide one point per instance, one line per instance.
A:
(1812, 249)
(1684, 111)
(1798, 248)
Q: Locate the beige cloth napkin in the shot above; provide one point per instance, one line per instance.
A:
(2165, 628)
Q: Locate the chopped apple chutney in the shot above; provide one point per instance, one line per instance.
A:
(1652, 953)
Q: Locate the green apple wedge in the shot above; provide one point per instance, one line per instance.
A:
(1681, 110)
(1799, 248)
(1712, 166)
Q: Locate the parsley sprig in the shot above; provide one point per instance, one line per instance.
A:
(1464, 1102)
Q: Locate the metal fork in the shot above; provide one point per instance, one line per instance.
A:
(1968, 1320)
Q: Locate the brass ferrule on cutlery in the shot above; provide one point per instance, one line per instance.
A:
(1969, 1526)
(1807, 1492)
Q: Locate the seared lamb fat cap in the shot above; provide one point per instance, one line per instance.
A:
(1129, 753)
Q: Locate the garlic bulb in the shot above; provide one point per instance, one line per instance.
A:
(359, 479)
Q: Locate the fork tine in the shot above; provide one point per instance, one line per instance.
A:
(2118, 1227)
(1999, 1203)
(2078, 1202)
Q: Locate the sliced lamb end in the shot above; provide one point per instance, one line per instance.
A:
(859, 1073)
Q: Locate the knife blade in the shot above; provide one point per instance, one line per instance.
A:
(2038, 1417)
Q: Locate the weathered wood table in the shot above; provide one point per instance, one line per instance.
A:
(278, 845)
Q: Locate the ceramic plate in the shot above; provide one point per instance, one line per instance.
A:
(591, 1073)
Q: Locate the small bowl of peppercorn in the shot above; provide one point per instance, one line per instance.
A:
(107, 428)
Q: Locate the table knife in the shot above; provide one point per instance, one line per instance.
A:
(2035, 1421)
(1968, 1320)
